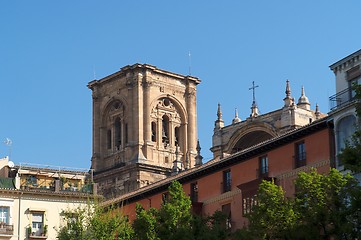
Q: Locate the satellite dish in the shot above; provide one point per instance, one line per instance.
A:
(11, 164)
(8, 141)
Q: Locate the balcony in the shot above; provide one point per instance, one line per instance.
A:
(6, 230)
(300, 160)
(226, 186)
(197, 208)
(342, 98)
(262, 172)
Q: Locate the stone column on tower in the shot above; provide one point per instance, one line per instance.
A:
(96, 125)
(192, 123)
(138, 114)
(146, 83)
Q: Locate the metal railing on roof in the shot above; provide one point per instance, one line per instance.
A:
(67, 177)
(341, 98)
(34, 166)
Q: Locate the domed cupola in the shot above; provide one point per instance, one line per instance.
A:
(236, 119)
(303, 100)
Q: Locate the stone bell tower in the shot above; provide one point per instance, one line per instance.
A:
(143, 119)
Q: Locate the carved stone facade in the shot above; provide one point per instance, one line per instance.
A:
(141, 116)
(258, 128)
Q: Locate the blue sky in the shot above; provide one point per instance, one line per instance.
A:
(50, 50)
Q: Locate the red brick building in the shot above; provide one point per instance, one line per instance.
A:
(229, 184)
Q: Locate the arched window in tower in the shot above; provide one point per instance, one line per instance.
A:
(154, 132)
(109, 139)
(168, 127)
(113, 137)
(165, 129)
(176, 136)
(118, 133)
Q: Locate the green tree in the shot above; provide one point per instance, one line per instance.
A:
(145, 224)
(324, 207)
(172, 221)
(108, 224)
(95, 222)
(320, 202)
(348, 216)
(212, 227)
(174, 217)
(272, 216)
(75, 224)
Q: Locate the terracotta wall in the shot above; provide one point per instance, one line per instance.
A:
(281, 165)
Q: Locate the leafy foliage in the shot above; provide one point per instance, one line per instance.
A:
(324, 207)
(75, 224)
(320, 201)
(273, 216)
(95, 222)
(210, 227)
(174, 217)
(175, 221)
(145, 224)
(172, 221)
(110, 224)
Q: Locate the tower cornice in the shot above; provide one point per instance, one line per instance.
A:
(143, 68)
(346, 61)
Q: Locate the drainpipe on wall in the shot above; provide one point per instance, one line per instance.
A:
(19, 222)
(332, 145)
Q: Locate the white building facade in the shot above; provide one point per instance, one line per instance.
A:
(34, 199)
(347, 72)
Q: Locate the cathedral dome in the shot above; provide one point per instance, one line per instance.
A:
(236, 119)
(303, 100)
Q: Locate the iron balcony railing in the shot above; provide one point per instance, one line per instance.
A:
(226, 185)
(341, 98)
(262, 172)
(6, 229)
(300, 160)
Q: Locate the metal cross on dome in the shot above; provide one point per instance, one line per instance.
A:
(253, 88)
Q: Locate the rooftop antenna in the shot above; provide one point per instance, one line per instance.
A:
(8, 143)
(190, 62)
(94, 75)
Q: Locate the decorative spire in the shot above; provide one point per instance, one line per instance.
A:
(236, 119)
(187, 162)
(254, 108)
(219, 123)
(198, 157)
(219, 112)
(288, 99)
(317, 112)
(288, 89)
(177, 164)
(303, 100)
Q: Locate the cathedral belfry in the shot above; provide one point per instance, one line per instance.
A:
(143, 119)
